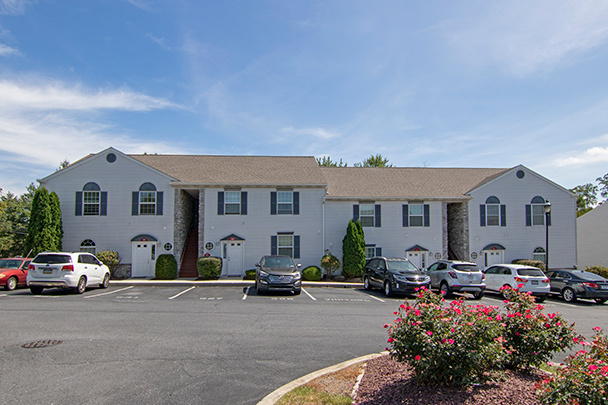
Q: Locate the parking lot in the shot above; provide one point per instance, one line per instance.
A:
(186, 344)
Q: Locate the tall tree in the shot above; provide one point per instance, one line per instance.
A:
(374, 161)
(326, 161)
(57, 224)
(42, 232)
(353, 251)
(603, 185)
(14, 216)
(586, 198)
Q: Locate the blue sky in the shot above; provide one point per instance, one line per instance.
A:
(429, 83)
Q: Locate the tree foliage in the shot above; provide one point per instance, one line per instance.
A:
(325, 161)
(374, 161)
(44, 231)
(586, 198)
(353, 250)
(14, 217)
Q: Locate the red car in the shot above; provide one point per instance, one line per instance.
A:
(13, 272)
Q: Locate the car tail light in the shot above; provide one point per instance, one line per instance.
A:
(453, 274)
(546, 280)
(68, 267)
(483, 276)
(521, 280)
(31, 267)
(591, 285)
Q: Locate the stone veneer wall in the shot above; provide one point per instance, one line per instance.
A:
(444, 233)
(458, 229)
(184, 204)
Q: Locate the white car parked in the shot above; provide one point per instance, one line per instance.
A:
(513, 275)
(77, 270)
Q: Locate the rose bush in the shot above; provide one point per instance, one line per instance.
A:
(460, 344)
(583, 379)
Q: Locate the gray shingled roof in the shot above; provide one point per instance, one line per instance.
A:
(237, 170)
(410, 182)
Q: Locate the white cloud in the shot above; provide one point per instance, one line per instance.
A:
(524, 37)
(315, 132)
(6, 50)
(14, 7)
(592, 155)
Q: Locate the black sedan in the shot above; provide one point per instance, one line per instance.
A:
(574, 284)
(278, 273)
(394, 275)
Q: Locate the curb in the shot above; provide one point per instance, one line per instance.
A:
(277, 394)
(221, 283)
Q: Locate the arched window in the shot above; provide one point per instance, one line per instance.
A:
(535, 212)
(539, 254)
(91, 200)
(88, 245)
(492, 213)
(147, 201)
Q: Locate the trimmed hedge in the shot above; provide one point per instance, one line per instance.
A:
(599, 270)
(312, 273)
(209, 268)
(249, 274)
(166, 267)
(528, 262)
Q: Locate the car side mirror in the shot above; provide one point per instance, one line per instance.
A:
(298, 265)
(258, 265)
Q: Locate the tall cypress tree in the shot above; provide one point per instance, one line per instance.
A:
(42, 229)
(353, 251)
(57, 224)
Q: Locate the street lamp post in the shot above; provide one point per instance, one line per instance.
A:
(547, 212)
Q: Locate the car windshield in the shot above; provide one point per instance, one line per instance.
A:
(401, 265)
(9, 264)
(533, 272)
(466, 267)
(278, 262)
(52, 259)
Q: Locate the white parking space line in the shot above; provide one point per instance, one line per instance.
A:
(3, 295)
(307, 293)
(371, 296)
(183, 292)
(246, 293)
(108, 293)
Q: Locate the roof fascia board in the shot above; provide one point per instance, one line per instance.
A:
(177, 184)
(402, 198)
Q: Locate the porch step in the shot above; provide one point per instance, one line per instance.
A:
(188, 268)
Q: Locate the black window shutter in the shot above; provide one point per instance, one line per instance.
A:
(296, 246)
(274, 245)
(243, 203)
(159, 202)
(355, 212)
(549, 219)
(220, 203)
(528, 215)
(103, 209)
(273, 203)
(406, 215)
(296, 203)
(482, 215)
(377, 219)
(503, 215)
(78, 203)
(135, 203)
(378, 251)
(427, 215)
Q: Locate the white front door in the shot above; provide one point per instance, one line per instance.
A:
(419, 258)
(233, 257)
(143, 259)
(492, 257)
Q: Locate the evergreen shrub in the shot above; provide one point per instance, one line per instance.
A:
(209, 268)
(249, 274)
(166, 267)
(532, 263)
(312, 273)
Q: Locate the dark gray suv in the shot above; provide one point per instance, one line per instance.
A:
(394, 275)
(278, 273)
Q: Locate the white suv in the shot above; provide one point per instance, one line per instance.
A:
(451, 276)
(77, 270)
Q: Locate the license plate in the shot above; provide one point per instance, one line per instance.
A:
(47, 271)
(604, 287)
(534, 282)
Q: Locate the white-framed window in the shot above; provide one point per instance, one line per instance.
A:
(232, 202)
(537, 211)
(370, 251)
(416, 214)
(493, 213)
(539, 254)
(91, 201)
(88, 245)
(285, 245)
(147, 201)
(285, 202)
(367, 213)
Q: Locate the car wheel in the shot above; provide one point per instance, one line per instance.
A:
(11, 283)
(505, 292)
(366, 284)
(601, 300)
(106, 281)
(82, 285)
(36, 290)
(388, 289)
(569, 295)
(478, 295)
(444, 289)
(541, 299)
